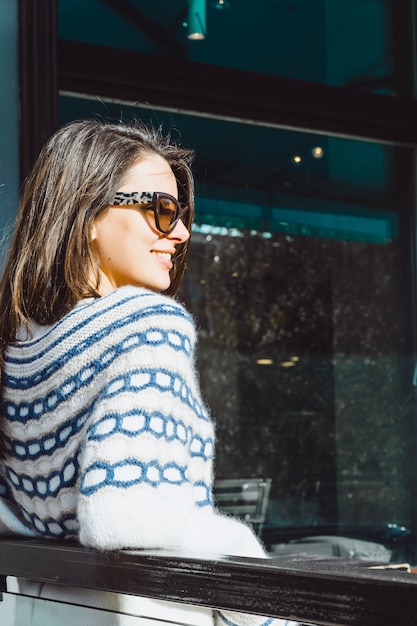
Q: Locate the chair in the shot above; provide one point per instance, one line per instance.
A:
(244, 497)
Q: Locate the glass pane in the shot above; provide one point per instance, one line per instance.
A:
(299, 278)
(365, 44)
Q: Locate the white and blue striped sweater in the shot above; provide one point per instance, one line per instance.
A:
(107, 435)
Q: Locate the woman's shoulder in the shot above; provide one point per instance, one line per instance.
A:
(125, 310)
(130, 310)
(133, 318)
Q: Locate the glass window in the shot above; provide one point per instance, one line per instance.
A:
(300, 280)
(364, 44)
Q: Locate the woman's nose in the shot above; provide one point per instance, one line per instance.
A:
(180, 232)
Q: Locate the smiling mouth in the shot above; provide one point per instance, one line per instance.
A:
(163, 255)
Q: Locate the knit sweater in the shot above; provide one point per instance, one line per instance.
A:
(107, 435)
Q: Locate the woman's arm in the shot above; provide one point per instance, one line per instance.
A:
(146, 465)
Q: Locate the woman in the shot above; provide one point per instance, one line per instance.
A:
(105, 437)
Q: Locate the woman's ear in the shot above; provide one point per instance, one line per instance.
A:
(93, 233)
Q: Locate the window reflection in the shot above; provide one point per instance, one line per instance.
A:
(300, 360)
(347, 43)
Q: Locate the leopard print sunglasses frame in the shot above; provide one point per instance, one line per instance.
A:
(166, 209)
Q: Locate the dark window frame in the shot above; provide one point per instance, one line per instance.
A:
(327, 592)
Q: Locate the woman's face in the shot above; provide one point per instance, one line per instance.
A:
(131, 250)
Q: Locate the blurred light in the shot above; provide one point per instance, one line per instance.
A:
(296, 159)
(287, 364)
(222, 231)
(317, 152)
(220, 4)
(295, 358)
(196, 21)
(264, 361)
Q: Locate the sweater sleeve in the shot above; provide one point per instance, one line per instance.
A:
(146, 464)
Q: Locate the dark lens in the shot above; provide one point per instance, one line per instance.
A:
(168, 213)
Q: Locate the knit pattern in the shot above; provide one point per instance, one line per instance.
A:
(106, 401)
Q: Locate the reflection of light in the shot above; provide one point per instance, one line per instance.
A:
(209, 229)
(221, 4)
(222, 231)
(196, 19)
(264, 361)
(297, 159)
(317, 152)
(287, 364)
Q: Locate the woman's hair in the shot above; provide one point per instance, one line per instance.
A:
(74, 179)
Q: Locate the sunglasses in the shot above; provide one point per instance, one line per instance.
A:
(166, 209)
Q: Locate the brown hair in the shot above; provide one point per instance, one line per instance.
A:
(73, 181)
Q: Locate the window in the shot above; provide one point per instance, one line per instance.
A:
(302, 267)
